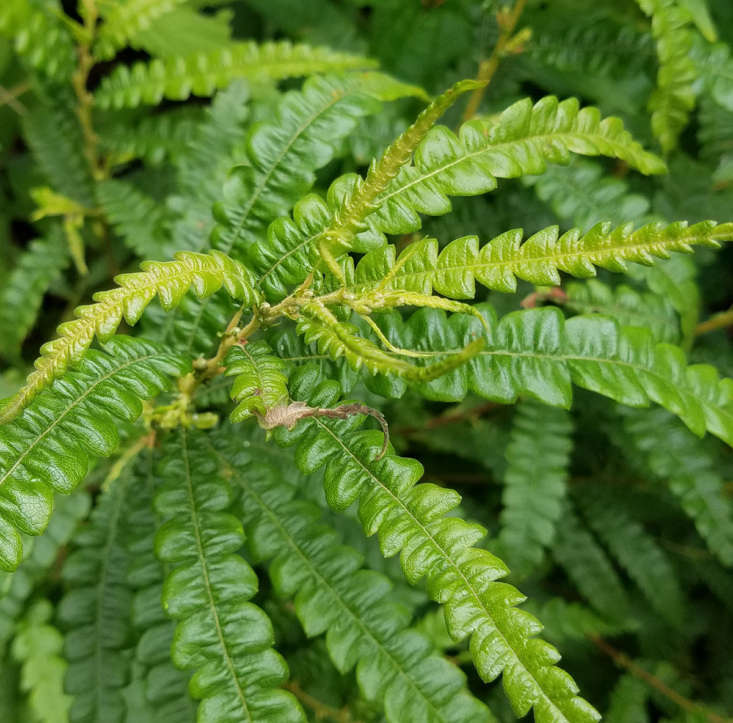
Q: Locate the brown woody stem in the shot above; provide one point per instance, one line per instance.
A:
(623, 661)
(719, 321)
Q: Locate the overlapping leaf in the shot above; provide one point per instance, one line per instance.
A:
(39, 36)
(674, 96)
(138, 218)
(164, 688)
(521, 141)
(498, 264)
(637, 552)
(154, 138)
(39, 556)
(537, 353)
(692, 471)
(588, 565)
(532, 502)
(95, 612)
(350, 200)
(305, 134)
(37, 647)
(168, 280)
(49, 447)
(222, 636)
(123, 20)
(260, 380)
(202, 73)
(409, 520)
(334, 594)
(22, 292)
(627, 305)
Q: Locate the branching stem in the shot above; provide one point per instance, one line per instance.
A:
(9, 97)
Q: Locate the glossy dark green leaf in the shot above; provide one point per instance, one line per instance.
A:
(222, 637)
(50, 446)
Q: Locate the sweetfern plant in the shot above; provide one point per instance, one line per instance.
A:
(392, 358)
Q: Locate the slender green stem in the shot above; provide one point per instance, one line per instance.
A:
(9, 97)
(719, 321)
(488, 67)
(322, 711)
(84, 97)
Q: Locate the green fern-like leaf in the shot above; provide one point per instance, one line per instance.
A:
(693, 473)
(334, 594)
(584, 195)
(715, 66)
(96, 611)
(184, 31)
(39, 36)
(537, 352)
(55, 138)
(498, 264)
(355, 200)
(637, 552)
(715, 135)
(192, 329)
(589, 567)
(164, 688)
(219, 634)
(292, 348)
(50, 446)
(350, 201)
(260, 382)
(40, 554)
(123, 20)
(676, 281)
(154, 138)
(204, 72)
(203, 166)
(136, 217)
(22, 293)
(532, 504)
(674, 97)
(284, 154)
(629, 306)
(37, 646)
(598, 57)
(410, 520)
(168, 280)
(282, 157)
(571, 621)
(341, 339)
(519, 142)
(628, 701)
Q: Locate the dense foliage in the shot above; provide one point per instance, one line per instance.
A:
(368, 316)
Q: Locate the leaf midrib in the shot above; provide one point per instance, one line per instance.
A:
(558, 260)
(259, 188)
(382, 200)
(206, 580)
(71, 406)
(324, 583)
(445, 555)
